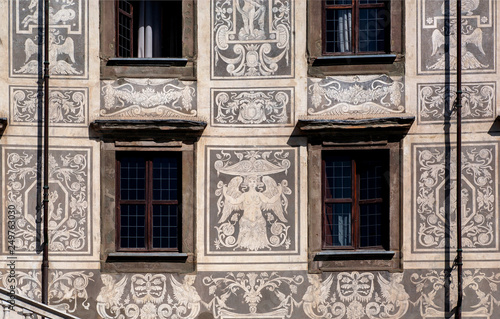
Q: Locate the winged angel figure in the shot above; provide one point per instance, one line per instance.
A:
(315, 299)
(253, 192)
(110, 296)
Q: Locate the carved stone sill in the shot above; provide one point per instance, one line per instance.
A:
(147, 257)
(147, 61)
(354, 255)
(3, 124)
(355, 59)
(128, 129)
(396, 126)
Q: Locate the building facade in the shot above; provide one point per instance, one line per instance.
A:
(251, 158)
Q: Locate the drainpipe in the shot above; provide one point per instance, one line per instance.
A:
(459, 160)
(45, 259)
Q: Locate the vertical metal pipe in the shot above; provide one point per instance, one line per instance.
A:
(45, 258)
(459, 160)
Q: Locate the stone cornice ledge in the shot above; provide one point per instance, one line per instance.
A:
(3, 124)
(147, 128)
(389, 124)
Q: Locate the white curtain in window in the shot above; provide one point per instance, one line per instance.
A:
(345, 30)
(149, 30)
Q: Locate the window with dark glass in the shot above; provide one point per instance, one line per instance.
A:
(355, 200)
(356, 26)
(148, 206)
(149, 28)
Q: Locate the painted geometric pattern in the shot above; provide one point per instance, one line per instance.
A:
(148, 98)
(252, 201)
(436, 102)
(437, 48)
(363, 95)
(69, 198)
(252, 39)
(68, 290)
(67, 106)
(68, 46)
(434, 221)
(256, 107)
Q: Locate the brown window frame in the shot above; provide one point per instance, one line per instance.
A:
(355, 7)
(148, 202)
(356, 159)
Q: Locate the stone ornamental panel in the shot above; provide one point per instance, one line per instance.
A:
(436, 102)
(132, 98)
(360, 95)
(68, 106)
(68, 43)
(478, 36)
(253, 201)
(434, 197)
(70, 192)
(252, 39)
(258, 107)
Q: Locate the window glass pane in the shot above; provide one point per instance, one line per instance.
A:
(339, 2)
(338, 224)
(372, 24)
(370, 225)
(165, 226)
(338, 30)
(165, 181)
(371, 174)
(338, 178)
(132, 226)
(371, 1)
(132, 178)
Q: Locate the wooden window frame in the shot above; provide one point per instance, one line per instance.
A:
(355, 200)
(355, 7)
(148, 202)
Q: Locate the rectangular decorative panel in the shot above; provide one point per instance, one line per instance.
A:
(68, 43)
(435, 197)
(256, 107)
(68, 106)
(437, 36)
(252, 201)
(436, 102)
(252, 39)
(69, 195)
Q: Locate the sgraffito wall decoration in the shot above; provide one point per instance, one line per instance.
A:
(148, 98)
(437, 26)
(68, 106)
(252, 39)
(360, 95)
(68, 290)
(480, 288)
(253, 201)
(69, 198)
(435, 102)
(434, 197)
(254, 107)
(68, 43)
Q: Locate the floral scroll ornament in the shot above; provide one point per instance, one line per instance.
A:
(148, 298)
(147, 98)
(68, 186)
(360, 95)
(262, 41)
(252, 201)
(479, 287)
(478, 198)
(252, 107)
(356, 297)
(65, 288)
(252, 289)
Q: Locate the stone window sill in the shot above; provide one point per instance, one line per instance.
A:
(354, 255)
(354, 59)
(147, 257)
(147, 62)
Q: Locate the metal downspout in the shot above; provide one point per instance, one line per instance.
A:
(45, 259)
(458, 260)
